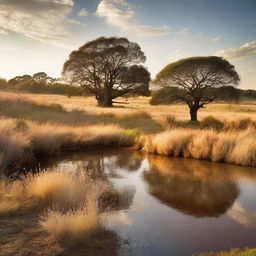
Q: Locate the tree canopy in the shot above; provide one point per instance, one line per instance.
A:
(40, 83)
(107, 67)
(195, 78)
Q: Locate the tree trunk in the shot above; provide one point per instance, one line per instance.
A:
(193, 113)
(105, 100)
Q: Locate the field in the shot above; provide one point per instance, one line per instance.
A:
(225, 111)
(33, 125)
(39, 125)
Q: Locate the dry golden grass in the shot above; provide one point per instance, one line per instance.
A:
(72, 218)
(223, 111)
(234, 147)
(21, 140)
(11, 195)
(83, 218)
(22, 107)
(48, 138)
(77, 224)
(232, 252)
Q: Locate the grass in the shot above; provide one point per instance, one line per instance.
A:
(59, 213)
(157, 114)
(234, 147)
(63, 209)
(211, 122)
(23, 141)
(232, 252)
(23, 107)
(45, 128)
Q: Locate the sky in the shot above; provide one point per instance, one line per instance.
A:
(39, 35)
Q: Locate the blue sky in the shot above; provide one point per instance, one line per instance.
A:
(38, 35)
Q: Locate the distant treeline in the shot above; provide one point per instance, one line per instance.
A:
(164, 96)
(40, 83)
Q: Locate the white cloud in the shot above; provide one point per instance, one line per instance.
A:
(198, 35)
(176, 55)
(121, 14)
(83, 12)
(44, 20)
(246, 50)
(203, 36)
(63, 2)
(3, 32)
(184, 31)
(239, 214)
(216, 38)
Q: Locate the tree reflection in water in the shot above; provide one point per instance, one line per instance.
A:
(196, 188)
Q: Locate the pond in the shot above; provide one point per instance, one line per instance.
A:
(177, 206)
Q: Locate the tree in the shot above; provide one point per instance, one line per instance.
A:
(40, 78)
(164, 96)
(228, 93)
(20, 81)
(195, 78)
(107, 67)
(138, 75)
(3, 84)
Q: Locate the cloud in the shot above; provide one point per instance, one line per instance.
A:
(121, 14)
(184, 31)
(3, 32)
(239, 214)
(176, 55)
(216, 38)
(203, 36)
(83, 12)
(198, 35)
(44, 20)
(246, 50)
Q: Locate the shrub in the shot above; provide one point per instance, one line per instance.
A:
(211, 122)
(163, 96)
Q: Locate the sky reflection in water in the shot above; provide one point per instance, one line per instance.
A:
(177, 206)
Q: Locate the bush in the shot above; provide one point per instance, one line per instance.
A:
(163, 96)
(3, 84)
(211, 122)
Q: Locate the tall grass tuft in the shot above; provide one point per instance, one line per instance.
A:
(21, 141)
(73, 215)
(234, 147)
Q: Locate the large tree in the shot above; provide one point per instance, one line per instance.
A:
(107, 67)
(195, 78)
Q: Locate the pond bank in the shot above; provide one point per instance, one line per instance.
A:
(233, 147)
(22, 142)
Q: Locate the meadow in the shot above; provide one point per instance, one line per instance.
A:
(38, 126)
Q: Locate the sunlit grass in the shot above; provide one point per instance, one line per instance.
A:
(65, 206)
(232, 252)
(28, 108)
(234, 147)
(21, 141)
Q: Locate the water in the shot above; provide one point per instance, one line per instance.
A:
(178, 206)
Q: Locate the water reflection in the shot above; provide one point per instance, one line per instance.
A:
(242, 216)
(192, 188)
(195, 188)
(98, 161)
